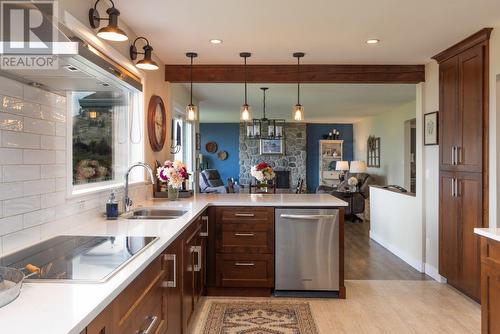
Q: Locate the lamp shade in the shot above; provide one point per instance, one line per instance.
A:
(342, 165)
(358, 166)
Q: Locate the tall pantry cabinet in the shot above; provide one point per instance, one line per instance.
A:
(463, 151)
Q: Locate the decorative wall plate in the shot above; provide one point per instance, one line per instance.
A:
(211, 147)
(222, 155)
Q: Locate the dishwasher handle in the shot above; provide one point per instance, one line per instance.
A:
(307, 217)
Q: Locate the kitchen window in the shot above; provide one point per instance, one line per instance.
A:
(105, 133)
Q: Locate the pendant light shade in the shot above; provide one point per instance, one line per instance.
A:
(298, 109)
(245, 111)
(191, 114)
(111, 32)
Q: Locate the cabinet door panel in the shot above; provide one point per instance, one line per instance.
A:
(449, 112)
(470, 153)
(448, 228)
(470, 194)
(173, 304)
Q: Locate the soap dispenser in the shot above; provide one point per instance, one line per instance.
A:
(112, 207)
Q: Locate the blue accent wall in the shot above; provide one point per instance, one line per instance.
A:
(315, 132)
(226, 135)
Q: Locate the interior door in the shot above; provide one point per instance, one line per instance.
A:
(469, 193)
(448, 228)
(449, 133)
(469, 152)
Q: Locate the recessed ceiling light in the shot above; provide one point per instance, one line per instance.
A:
(373, 41)
(216, 41)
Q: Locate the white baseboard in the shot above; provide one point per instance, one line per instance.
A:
(418, 265)
(434, 273)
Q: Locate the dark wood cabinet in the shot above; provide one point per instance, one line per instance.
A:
(490, 286)
(173, 288)
(463, 137)
(102, 324)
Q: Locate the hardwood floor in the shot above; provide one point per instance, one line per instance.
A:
(367, 260)
(386, 307)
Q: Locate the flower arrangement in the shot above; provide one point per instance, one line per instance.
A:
(352, 181)
(172, 173)
(262, 172)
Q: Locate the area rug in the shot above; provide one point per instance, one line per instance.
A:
(259, 318)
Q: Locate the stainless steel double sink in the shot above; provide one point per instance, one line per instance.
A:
(155, 213)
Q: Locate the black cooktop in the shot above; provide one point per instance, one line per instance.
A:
(78, 258)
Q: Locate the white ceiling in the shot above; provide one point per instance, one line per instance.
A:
(323, 103)
(329, 31)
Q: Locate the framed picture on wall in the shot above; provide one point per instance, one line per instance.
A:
(431, 128)
(272, 146)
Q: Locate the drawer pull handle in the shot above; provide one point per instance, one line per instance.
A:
(152, 324)
(205, 219)
(307, 217)
(244, 214)
(173, 282)
(245, 234)
(244, 264)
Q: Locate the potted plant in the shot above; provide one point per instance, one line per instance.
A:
(173, 174)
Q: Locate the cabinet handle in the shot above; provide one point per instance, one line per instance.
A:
(244, 215)
(173, 282)
(453, 187)
(205, 219)
(453, 155)
(153, 319)
(244, 264)
(197, 250)
(458, 159)
(244, 234)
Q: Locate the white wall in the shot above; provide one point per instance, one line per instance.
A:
(390, 127)
(392, 225)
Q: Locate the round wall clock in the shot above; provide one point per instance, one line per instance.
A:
(157, 123)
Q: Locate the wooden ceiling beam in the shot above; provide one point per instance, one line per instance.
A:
(403, 74)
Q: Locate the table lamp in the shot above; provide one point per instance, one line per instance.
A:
(342, 167)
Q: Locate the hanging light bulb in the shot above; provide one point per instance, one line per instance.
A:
(245, 111)
(298, 109)
(191, 110)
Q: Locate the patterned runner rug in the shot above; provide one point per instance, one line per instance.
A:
(259, 318)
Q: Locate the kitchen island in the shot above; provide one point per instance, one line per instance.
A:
(71, 308)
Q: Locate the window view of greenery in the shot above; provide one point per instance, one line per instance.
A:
(94, 118)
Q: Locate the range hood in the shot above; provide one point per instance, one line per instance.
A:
(87, 70)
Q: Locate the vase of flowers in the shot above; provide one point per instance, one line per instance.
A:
(263, 173)
(173, 174)
(353, 183)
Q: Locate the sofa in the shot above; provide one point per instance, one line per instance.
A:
(211, 182)
(358, 200)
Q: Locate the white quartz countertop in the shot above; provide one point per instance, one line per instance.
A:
(491, 233)
(59, 308)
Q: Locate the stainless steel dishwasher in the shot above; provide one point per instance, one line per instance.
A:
(307, 252)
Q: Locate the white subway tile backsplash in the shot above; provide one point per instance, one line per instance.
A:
(11, 156)
(21, 205)
(38, 217)
(53, 199)
(20, 139)
(39, 157)
(39, 126)
(53, 143)
(60, 129)
(10, 87)
(60, 157)
(17, 106)
(21, 239)
(43, 97)
(11, 190)
(53, 114)
(38, 187)
(15, 173)
(11, 122)
(11, 224)
(60, 184)
(52, 171)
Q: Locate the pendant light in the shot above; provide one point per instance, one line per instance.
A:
(245, 112)
(147, 63)
(191, 109)
(111, 32)
(298, 109)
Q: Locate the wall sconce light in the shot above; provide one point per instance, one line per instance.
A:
(147, 63)
(111, 32)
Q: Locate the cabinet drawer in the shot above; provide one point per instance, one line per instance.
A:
(490, 251)
(244, 214)
(245, 238)
(245, 270)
